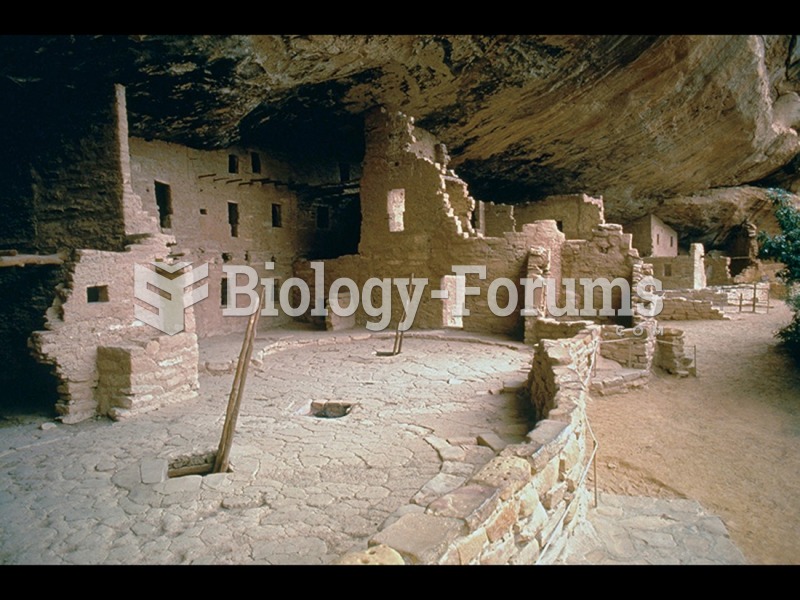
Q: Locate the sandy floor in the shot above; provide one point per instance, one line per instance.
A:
(729, 438)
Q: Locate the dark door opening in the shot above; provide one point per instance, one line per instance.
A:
(29, 387)
(233, 218)
(164, 203)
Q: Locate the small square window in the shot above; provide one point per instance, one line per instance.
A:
(277, 216)
(233, 163)
(97, 293)
(203, 211)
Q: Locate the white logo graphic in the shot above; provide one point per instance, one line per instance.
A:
(172, 302)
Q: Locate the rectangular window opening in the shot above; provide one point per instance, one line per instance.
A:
(658, 238)
(97, 293)
(203, 211)
(164, 203)
(667, 270)
(255, 162)
(233, 163)
(277, 217)
(396, 206)
(323, 217)
(223, 293)
(233, 218)
(671, 241)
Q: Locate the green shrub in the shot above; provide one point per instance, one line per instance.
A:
(785, 248)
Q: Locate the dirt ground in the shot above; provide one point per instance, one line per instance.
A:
(729, 438)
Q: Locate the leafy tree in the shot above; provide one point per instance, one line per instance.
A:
(785, 248)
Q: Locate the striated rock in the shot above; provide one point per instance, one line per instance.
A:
(636, 119)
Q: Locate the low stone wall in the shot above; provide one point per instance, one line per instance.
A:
(137, 378)
(522, 505)
(693, 305)
(633, 347)
(538, 328)
(671, 353)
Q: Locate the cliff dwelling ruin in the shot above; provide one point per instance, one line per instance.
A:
(379, 193)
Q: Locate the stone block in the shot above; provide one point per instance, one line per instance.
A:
(438, 485)
(492, 440)
(528, 499)
(508, 474)
(499, 553)
(471, 503)
(501, 523)
(549, 432)
(527, 555)
(470, 547)
(419, 538)
(545, 479)
(570, 456)
(553, 496)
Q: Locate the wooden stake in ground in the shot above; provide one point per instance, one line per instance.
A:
(237, 391)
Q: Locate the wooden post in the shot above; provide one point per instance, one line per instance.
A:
(237, 390)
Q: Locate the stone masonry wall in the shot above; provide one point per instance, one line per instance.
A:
(578, 214)
(718, 270)
(607, 253)
(671, 352)
(633, 347)
(76, 181)
(692, 305)
(521, 507)
(201, 189)
(496, 219)
(76, 327)
(94, 304)
(433, 234)
(680, 272)
(652, 237)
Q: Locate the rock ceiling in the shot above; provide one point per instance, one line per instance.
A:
(638, 119)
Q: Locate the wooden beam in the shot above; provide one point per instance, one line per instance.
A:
(22, 260)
